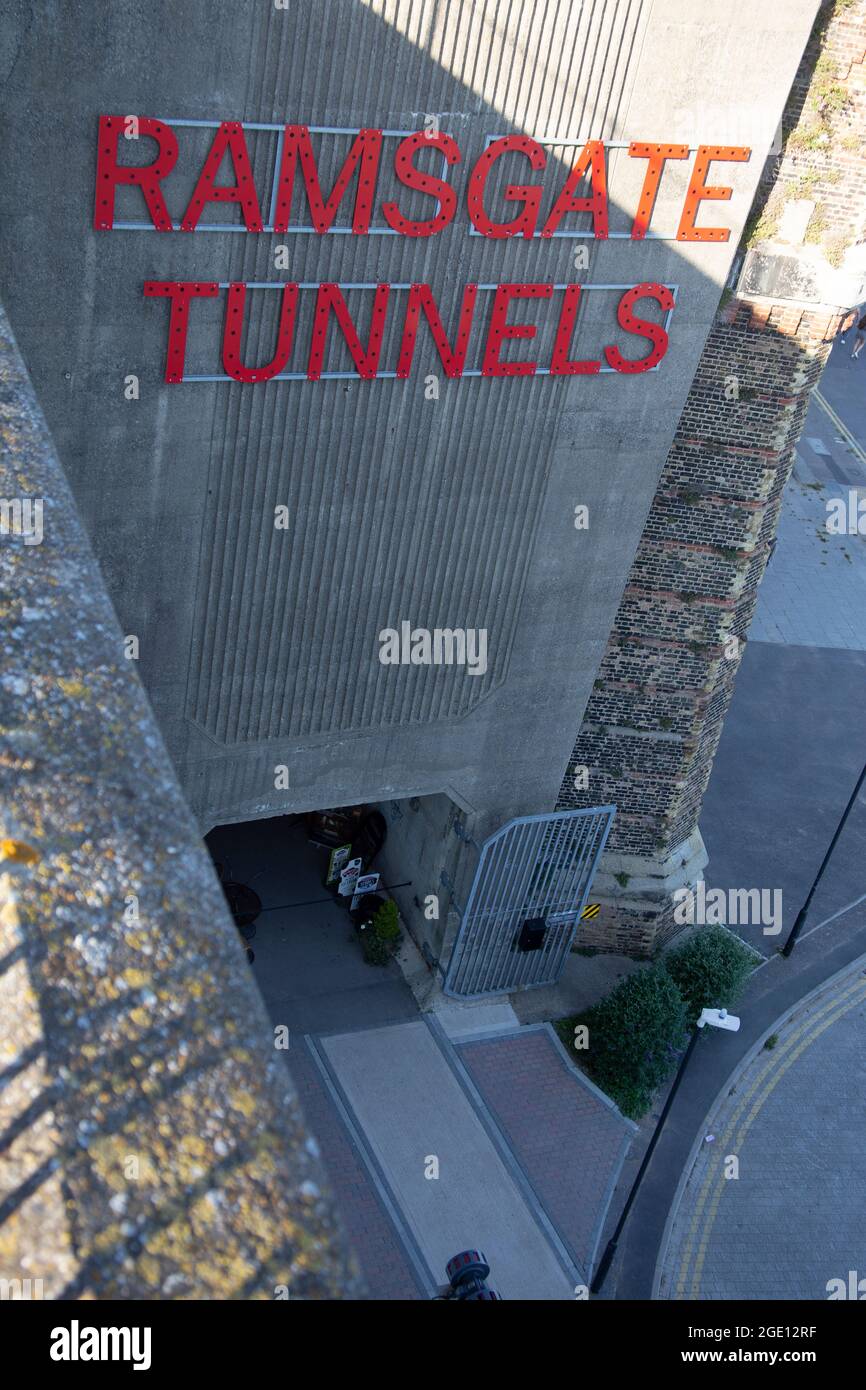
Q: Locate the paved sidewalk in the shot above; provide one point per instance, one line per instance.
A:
(814, 590)
(495, 1142)
(775, 991)
(569, 1137)
(792, 1217)
(415, 1114)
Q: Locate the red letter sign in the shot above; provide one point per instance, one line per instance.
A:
(366, 150)
(230, 136)
(148, 176)
(500, 330)
(453, 360)
(330, 297)
(657, 156)
(425, 183)
(632, 324)
(559, 363)
(530, 195)
(181, 293)
(698, 192)
(592, 157)
(234, 327)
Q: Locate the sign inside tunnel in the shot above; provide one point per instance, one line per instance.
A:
(393, 310)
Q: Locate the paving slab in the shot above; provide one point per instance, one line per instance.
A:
(416, 1115)
(568, 1137)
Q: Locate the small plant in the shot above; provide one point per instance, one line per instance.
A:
(771, 1042)
(381, 936)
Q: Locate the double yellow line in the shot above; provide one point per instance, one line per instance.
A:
(746, 1112)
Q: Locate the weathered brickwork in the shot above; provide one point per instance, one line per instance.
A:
(823, 128)
(653, 721)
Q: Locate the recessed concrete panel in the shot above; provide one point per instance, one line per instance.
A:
(260, 646)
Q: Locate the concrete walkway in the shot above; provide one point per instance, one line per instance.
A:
(526, 1179)
(775, 1206)
(415, 1114)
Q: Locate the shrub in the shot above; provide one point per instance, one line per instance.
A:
(380, 937)
(709, 970)
(635, 1035)
(386, 923)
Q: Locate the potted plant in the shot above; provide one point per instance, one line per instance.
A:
(380, 934)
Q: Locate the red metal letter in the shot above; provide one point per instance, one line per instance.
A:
(530, 195)
(559, 363)
(233, 330)
(453, 360)
(366, 149)
(698, 191)
(425, 183)
(181, 293)
(500, 330)
(148, 176)
(330, 297)
(632, 324)
(656, 155)
(230, 136)
(592, 157)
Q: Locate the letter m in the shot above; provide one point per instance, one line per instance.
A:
(451, 638)
(365, 151)
(745, 906)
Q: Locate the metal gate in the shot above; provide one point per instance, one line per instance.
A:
(530, 887)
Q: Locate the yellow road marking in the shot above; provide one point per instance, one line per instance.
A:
(779, 1062)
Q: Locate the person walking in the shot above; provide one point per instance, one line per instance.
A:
(861, 337)
(846, 325)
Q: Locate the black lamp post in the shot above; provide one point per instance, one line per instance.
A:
(801, 915)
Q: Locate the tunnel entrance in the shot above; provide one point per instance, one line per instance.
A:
(304, 938)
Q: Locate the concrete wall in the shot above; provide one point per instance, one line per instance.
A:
(425, 844)
(259, 647)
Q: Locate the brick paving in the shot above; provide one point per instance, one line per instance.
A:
(386, 1271)
(568, 1141)
(794, 1218)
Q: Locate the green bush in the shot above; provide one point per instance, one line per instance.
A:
(635, 1036)
(709, 970)
(386, 923)
(381, 936)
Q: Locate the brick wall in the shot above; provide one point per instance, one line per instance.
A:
(653, 721)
